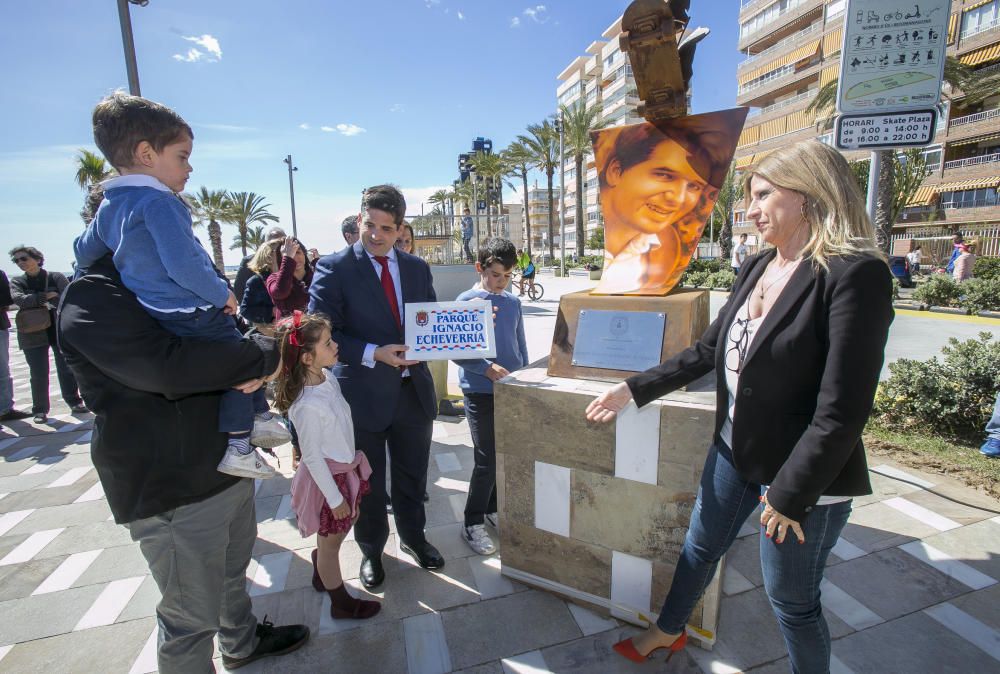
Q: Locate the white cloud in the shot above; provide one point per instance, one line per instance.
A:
(210, 45)
(304, 126)
(461, 17)
(515, 22)
(538, 13)
(328, 129)
(231, 128)
(397, 107)
(350, 129)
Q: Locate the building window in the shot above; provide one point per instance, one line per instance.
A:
(980, 19)
(609, 59)
(986, 196)
(767, 15)
(835, 8)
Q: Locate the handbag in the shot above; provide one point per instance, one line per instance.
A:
(34, 319)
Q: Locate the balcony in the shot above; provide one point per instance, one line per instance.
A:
(787, 22)
(986, 159)
(786, 78)
(979, 30)
(781, 45)
(965, 129)
(781, 105)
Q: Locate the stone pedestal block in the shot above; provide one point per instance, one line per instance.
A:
(597, 513)
(686, 311)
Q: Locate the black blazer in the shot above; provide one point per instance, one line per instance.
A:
(808, 380)
(346, 289)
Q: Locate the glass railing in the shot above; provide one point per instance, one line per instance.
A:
(782, 44)
(770, 77)
(783, 104)
(981, 28)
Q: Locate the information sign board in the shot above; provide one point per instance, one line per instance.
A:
(886, 129)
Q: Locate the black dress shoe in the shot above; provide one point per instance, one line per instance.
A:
(273, 641)
(426, 554)
(14, 415)
(372, 574)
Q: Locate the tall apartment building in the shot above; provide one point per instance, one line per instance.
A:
(603, 77)
(792, 48)
(538, 211)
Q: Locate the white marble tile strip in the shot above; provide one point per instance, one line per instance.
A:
(3, 494)
(146, 662)
(589, 622)
(631, 584)
(890, 471)
(948, 565)
(68, 572)
(838, 667)
(531, 662)
(637, 443)
(457, 503)
(922, 514)
(30, 547)
(24, 453)
(967, 627)
(10, 520)
(452, 484)
(69, 477)
(43, 464)
(69, 426)
(271, 574)
(734, 582)
(426, 647)
(552, 502)
(7, 442)
(284, 508)
(489, 582)
(95, 493)
(4, 650)
(447, 462)
(847, 608)
(110, 603)
(847, 550)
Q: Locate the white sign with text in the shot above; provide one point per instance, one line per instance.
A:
(449, 330)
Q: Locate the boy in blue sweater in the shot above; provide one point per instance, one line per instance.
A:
(147, 228)
(497, 258)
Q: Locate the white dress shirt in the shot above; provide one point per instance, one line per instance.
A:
(368, 357)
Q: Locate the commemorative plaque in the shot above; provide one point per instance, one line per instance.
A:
(619, 340)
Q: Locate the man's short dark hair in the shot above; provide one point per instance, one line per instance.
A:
(466, 210)
(386, 198)
(350, 224)
(31, 252)
(497, 250)
(122, 121)
(743, 235)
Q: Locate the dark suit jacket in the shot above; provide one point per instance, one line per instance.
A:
(808, 380)
(346, 289)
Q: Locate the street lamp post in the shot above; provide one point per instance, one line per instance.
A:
(562, 198)
(291, 192)
(129, 44)
(475, 199)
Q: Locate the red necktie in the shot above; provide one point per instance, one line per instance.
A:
(388, 287)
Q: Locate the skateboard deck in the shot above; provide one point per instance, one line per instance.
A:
(650, 38)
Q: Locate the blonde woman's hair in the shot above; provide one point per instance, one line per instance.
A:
(834, 207)
(262, 261)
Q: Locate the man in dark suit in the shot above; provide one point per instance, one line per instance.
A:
(363, 290)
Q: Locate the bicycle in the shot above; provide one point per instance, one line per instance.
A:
(535, 290)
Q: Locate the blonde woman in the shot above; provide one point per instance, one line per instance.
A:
(256, 305)
(797, 352)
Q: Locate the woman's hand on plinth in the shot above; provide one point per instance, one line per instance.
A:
(605, 407)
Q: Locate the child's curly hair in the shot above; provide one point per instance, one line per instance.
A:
(296, 334)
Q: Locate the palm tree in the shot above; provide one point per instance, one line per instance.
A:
(578, 122)
(956, 76)
(518, 160)
(543, 144)
(248, 208)
(490, 168)
(253, 240)
(440, 198)
(730, 193)
(210, 208)
(91, 168)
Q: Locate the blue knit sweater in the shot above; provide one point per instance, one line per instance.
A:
(512, 349)
(148, 229)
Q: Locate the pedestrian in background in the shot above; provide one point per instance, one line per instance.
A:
(964, 262)
(7, 411)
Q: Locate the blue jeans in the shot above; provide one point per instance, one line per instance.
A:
(792, 572)
(6, 383)
(236, 409)
(993, 425)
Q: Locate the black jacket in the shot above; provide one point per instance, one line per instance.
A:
(255, 304)
(29, 293)
(5, 301)
(808, 380)
(156, 442)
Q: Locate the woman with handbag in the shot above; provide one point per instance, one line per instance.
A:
(36, 294)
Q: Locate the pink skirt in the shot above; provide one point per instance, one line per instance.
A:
(311, 509)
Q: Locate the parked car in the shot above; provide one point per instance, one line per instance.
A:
(900, 268)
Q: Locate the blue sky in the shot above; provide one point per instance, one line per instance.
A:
(357, 92)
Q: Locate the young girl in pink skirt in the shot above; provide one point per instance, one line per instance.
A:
(332, 477)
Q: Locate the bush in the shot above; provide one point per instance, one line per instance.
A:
(694, 278)
(895, 288)
(981, 294)
(723, 278)
(986, 268)
(592, 262)
(940, 290)
(709, 264)
(952, 397)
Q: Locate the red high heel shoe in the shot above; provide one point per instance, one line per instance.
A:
(626, 649)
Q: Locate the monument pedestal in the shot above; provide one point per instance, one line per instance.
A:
(597, 513)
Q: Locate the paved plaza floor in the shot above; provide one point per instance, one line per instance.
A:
(911, 586)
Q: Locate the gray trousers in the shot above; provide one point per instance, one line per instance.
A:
(198, 555)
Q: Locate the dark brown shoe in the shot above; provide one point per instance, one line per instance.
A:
(273, 641)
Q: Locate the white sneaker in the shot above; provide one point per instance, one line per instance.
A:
(245, 465)
(269, 432)
(493, 520)
(478, 539)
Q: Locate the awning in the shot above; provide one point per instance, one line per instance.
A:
(952, 27)
(974, 58)
(772, 128)
(975, 139)
(750, 135)
(743, 162)
(923, 197)
(829, 75)
(799, 120)
(805, 51)
(969, 8)
(973, 184)
(832, 42)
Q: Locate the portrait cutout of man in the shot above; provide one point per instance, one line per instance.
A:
(659, 183)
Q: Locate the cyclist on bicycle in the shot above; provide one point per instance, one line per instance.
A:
(527, 268)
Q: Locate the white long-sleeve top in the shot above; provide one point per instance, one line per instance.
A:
(322, 419)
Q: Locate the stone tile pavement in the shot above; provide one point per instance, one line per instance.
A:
(911, 587)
